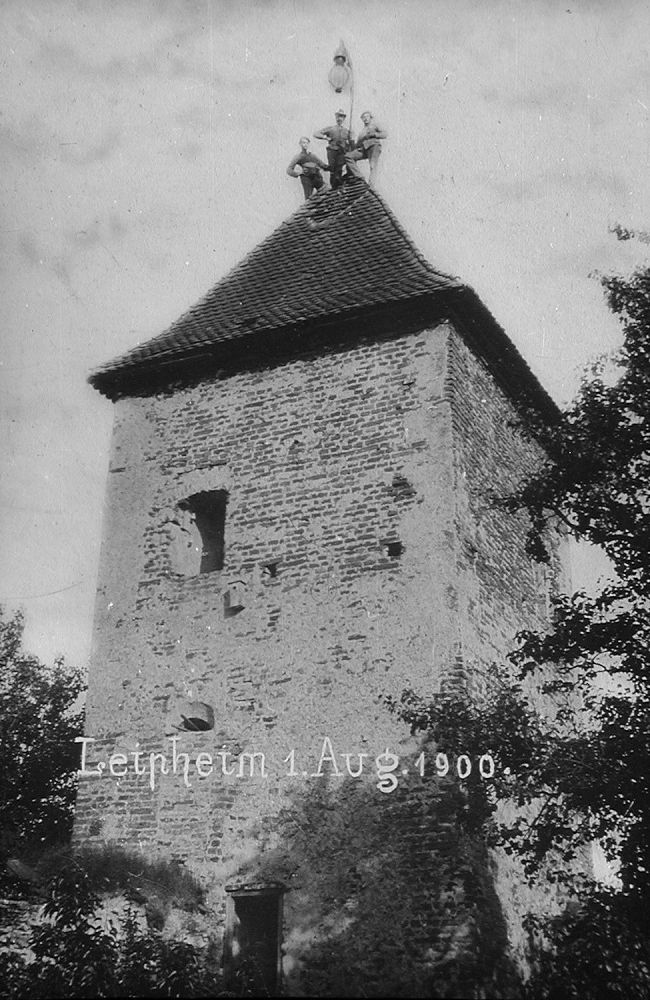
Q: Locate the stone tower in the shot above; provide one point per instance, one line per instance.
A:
(297, 526)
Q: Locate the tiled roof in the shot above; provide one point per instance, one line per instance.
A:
(342, 256)
(340, 251)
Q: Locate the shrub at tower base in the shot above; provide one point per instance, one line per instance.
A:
(76, 954)
(583, 774)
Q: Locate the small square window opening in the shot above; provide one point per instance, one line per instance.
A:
(208, 511)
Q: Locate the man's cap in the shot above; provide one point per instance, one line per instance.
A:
(340, 112)
(366, 113)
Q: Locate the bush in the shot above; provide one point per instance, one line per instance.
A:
(112, 868)
(74, 956)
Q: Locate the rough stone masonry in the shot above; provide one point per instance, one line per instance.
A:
(298, 524)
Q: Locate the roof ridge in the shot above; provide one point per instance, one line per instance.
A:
(411, 242)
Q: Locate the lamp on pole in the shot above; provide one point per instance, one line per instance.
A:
(340, 75)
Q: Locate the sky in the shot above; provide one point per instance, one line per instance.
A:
(145, 146)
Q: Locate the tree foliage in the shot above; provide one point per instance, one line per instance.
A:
(582, 769)
(597, 483)
(39, 719)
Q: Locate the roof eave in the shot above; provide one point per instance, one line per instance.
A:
(260, 349)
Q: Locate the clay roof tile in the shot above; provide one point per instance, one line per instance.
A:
(340, 251)
(341, 255)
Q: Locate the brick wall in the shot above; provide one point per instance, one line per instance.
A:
(500, 590)
(360, 475)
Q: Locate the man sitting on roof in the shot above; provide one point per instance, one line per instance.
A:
(368, 147)
(307, 167)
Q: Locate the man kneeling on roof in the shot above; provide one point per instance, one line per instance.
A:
(307, 167)
(367, 147)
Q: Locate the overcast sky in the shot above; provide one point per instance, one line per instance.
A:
(144, 148)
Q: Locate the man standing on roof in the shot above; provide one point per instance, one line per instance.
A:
(308, 168)
(339, 142)
(368, 147)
